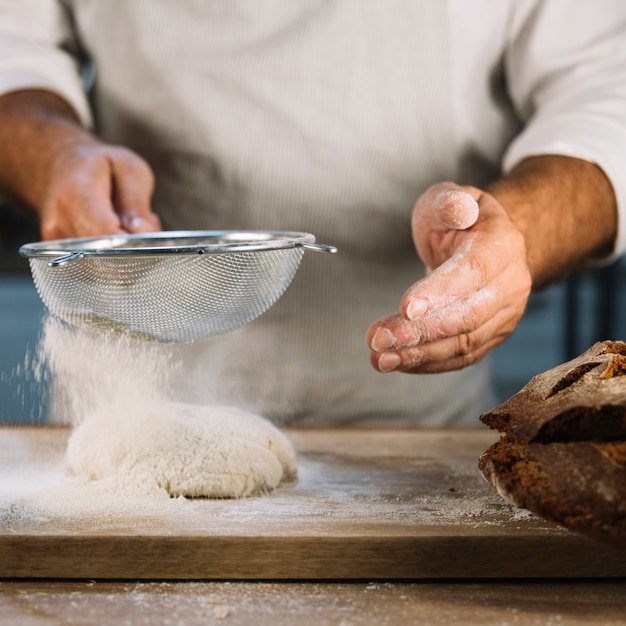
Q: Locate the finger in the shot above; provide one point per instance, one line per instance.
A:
(455, 206)
(140, 223)
(481, 259)
(443, 208)
(452, 280)
(448, 353)
(447, 206)
(132, 187)
(460, 317)
(413, 361)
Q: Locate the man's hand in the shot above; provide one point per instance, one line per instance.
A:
(97, 189)
(475, 292)
(79, 186)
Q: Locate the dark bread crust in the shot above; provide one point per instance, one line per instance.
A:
(563, 452)
(581, 400)
(580, 485)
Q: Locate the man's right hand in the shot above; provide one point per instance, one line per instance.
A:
(79, 186)
(97, 189)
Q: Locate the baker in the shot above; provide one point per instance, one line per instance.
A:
(341, 118)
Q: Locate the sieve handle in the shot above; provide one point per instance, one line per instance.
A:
(317, 247)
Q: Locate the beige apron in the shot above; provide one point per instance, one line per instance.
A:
(319, 116)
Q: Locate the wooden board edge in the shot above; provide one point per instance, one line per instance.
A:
(307, 558)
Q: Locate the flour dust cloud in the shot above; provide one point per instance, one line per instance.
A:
(118, 394)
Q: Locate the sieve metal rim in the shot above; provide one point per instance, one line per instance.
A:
(63, 251)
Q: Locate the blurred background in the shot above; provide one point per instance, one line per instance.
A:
(560, 323)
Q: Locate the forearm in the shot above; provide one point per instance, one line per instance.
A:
(566, 210)
(35, 127)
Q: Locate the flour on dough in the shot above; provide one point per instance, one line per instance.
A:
(187, 450)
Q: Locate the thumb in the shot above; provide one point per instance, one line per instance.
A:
(133, 184)
(453, 207)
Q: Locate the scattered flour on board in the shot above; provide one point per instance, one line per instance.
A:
(135, 453)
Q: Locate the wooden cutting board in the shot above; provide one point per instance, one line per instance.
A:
(368, 504)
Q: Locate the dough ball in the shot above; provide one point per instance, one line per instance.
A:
(188, 450)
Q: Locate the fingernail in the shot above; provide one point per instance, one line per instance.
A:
(382, 340)
(132, 222)
(417, 307)
(388, 362)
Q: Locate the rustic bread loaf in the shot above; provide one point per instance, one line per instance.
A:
(563, 450)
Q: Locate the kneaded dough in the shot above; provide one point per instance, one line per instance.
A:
(188, 450)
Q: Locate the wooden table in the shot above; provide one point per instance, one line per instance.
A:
(371, 509)
(369, 504)
(313, 603)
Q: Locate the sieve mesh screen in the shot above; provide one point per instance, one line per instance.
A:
(177, 297)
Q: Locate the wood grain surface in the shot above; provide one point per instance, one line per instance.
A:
(368, 504)
(313, 603)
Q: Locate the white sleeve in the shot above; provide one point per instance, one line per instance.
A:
(38, 51)
(566, 76)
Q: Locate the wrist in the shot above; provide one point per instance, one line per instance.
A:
(566, 210)
(38, 128)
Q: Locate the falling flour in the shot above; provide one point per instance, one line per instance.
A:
(117, 393)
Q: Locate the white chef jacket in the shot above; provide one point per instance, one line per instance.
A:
(330, 116)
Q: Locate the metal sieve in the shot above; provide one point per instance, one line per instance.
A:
(175, 286)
